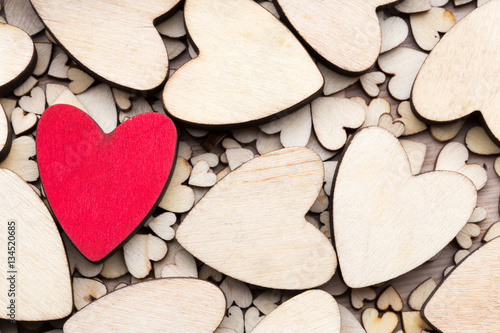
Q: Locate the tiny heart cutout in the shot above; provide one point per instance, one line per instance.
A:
(345, 34)
(255, 70)
(373, 323)
(387, 221)
(40, 270)
(102, 187)
(404, 63)
(468, 300)
(426, 26)
(168, 305)
(331, 115)
(21, 122)
(460, 76)
(94, 36)
(312, 311)
(262, 237)
(18, 57)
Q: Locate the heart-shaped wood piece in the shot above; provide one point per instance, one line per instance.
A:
(251, 224)
(454, 80)
(18, 57)
(35, 283)
(94, 37)
(90, 177)
(345, 34)
(5, 134)
(173, 305)
(314, 311)
(387, 221)
(468, 300)
(248, 75)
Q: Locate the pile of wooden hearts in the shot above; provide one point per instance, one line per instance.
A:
(283, 184)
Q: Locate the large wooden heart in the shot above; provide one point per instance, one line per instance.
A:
(344, 34)
(460, 75)
(251, 224)
(250, 67)
(17, 57)
(468, 300)
(101, 187)
(35, 281)
(115, 40)
(162, 305)
(387, 221)
(313, 311)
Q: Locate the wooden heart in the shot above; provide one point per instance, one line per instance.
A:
(161, 305)
(251, 224)
(5, 134)
(35, 283)
(313, 311)
(94, 35)
(250, 67)
(18, 57)
(89, 177)
(387, 221)
(454, 80)
(345, 34)
(468, 300)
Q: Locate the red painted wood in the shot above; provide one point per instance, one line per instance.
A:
(101, 187)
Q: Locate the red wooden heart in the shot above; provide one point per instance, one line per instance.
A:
(102, 187)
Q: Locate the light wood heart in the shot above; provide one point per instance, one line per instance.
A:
(468, 300)
(250, 67)
(33, 259)
(251, 224)
(314, 311)
(115, 40)
(454, 80)
(5, 134)
(161, 305)
(345, 34)
(17, 56)
(387, 221)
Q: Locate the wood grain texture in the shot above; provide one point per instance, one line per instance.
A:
(83, 172)
(385, 219)
(40, 265)
(314, 311)
(468, 300)
(344, 34)
(162, 305)
(5, 134)
(94, 37)
(17, 56)
(243, 74)
(454, 82)
(246, 240)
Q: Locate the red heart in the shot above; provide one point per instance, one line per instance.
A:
(102, 187)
